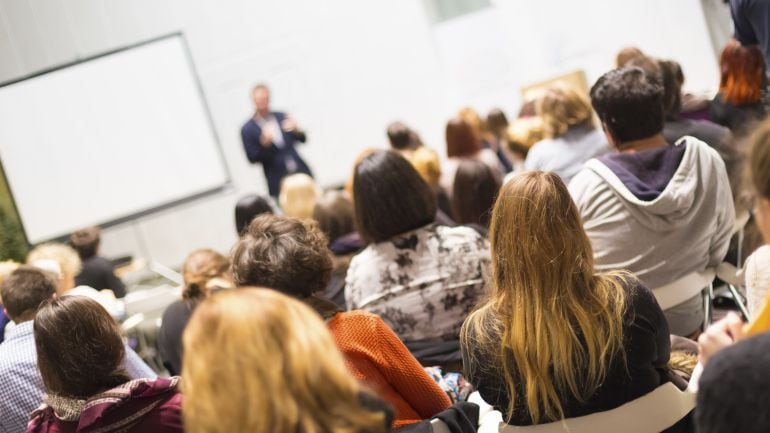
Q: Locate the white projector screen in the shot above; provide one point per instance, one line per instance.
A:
(107, 139)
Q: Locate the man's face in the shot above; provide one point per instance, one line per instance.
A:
(262, 100)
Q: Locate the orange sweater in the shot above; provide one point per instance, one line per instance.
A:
(376, 357)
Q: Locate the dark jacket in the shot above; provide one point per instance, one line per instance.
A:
(273, 158)
(139, 406)
(99, 273)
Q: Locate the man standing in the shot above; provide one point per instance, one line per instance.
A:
(269, 138)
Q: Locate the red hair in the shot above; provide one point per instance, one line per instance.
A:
(461, 139)
(743, 73)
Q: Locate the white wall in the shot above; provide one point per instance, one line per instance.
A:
(345, 69)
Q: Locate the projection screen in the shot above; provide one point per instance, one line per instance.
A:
(108, 139)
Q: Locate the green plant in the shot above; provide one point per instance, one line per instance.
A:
(13, 244)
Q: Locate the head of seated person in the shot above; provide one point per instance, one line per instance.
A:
(86, 242)
(401, 137)
(282, 253)
(742, 74)
(60, 259)
(24, 290)
(289, 349)
(334, 214)
(759, 169)
(562, 107)
(76, 374)
(390, 197)
(629, 103)
(203, 272)
(298, 196)
(248, 207)
(497, 123)
(548, 306)
(475, 189)
(627, 54)
(462, 139)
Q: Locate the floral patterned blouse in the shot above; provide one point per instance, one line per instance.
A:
(422, 283)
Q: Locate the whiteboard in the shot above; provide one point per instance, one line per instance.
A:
(107, 139)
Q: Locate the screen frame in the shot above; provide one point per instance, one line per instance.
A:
(225, 187)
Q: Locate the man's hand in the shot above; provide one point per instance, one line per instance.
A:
(720, 335)
(266, 139)
(289, 124)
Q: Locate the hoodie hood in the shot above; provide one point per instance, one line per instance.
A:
(659, 192)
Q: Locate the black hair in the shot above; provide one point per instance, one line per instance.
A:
(249, 207)
(390, 197)
(629, 102)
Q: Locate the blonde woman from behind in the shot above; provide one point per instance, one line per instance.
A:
(298, 197)
(265, 363)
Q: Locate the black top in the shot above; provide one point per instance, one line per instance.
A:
(99, 273)
(735, 388)
(172, 326)
(647, 350)
(736, 117)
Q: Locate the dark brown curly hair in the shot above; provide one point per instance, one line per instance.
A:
(282, 253)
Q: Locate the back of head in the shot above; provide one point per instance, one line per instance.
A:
(299, 193)
(743, 73)
(427, 164)
(361, 155)
(497, 122)
(247, 208)
(461, 139)
(334, 214)
(390, 197)
(24, 290)
(672, 79)
(475, 189)
(282, 253)
(562, 107)
(86, 241)
(400, 136)
(5, 270)
(200, 267)
(626, 55)
(66, 258)
(524, 132)
(545, 295)
(290, 354)
(629, 102)
(79, 347)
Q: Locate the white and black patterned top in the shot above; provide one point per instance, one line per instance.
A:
(423, 283)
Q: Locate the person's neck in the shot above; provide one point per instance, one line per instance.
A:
(654, 142)
(262, 114)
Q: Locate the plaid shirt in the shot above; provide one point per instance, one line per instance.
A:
(21, 387)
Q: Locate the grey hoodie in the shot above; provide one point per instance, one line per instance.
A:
(685, 229)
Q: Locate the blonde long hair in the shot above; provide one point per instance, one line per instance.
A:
(262, 362)
(561, 107)
(550, 321)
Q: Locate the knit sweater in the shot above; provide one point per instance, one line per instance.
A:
(377, 358)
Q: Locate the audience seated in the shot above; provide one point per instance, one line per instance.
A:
(292, 256)
(523, 133)
(204, 271)
(475, 190)
(335, 217)
(556, 339)
(480, 129)
(299, 193)
(739, 104)
(64, 262)
(294, 381)
(661, 211)
(571, 138)
(87, 388)
(97, 272)
(463, 141)
(21, 386)
(422, 278)
(248, 207)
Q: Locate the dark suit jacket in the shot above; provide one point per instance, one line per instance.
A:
(273, 158)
